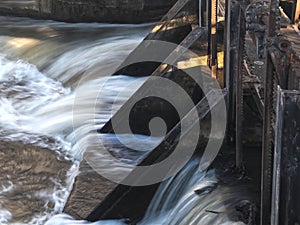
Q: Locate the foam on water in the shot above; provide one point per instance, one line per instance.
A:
(55, 93)
(50, 84)
(64, 219)
(177, 203)
(34, 107)
(35, 103)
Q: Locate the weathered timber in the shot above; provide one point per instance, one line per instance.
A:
(155, 107)
(179, 26)
(115, 204)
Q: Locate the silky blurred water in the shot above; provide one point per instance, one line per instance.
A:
(51, 75)
(177, 203)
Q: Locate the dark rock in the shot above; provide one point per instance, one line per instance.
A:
(89, 188)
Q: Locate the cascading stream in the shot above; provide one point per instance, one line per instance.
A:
(177, 203)
(55, 93)
(51, 76)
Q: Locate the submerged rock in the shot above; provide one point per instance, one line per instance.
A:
(32, 181)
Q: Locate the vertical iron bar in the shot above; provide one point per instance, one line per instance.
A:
(239, 91)
(213, 38)
(200, 13)
(208, 21)
(234, 54)
(268, 118)
(267, 145)
(286, 182)
(229, 57)
(277, 160)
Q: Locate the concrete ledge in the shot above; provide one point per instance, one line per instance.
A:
(117, 11)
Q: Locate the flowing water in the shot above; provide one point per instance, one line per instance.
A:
(177, 203)
(51, 75)
(54, 92)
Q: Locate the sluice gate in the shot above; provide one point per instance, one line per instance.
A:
(250, 51)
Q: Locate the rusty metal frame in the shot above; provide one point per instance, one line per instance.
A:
(235, 34)
(270, 84)
(286, 183)
(268, 143)
(281, 69)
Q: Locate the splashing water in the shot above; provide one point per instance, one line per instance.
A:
(177, 203)
(50, 77)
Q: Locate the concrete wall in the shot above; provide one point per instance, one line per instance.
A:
(121, 11)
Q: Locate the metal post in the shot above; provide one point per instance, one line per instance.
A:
(200, 13)
(268, 118)
(208, 24)
(286, 183)
(234, 54)
(213, 38)
(296, 11)
(277, 161)
(229, 82)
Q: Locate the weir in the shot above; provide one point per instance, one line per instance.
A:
(120, 11)
(181, 29)
(247, 54)
(171, 153)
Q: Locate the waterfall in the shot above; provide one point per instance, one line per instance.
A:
(55, 92)
(190, 197)
(193, 197)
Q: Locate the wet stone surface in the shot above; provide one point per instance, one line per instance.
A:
(89, 190)
(32, 180)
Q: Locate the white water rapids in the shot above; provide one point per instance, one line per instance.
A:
(50, 76)
(176, 202)
(46, 70)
